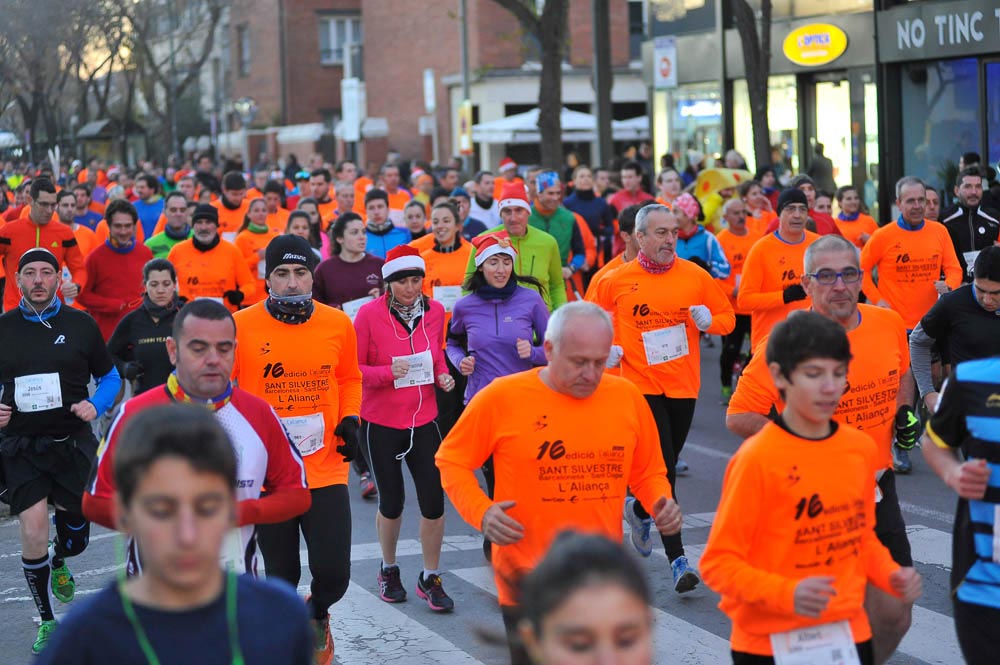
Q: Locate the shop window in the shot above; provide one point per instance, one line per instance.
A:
(782, 120)
(805, 8)
(993, 111)
(941, 118)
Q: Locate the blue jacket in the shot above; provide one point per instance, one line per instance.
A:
(488, 330)
(703, 245)
(379, 244)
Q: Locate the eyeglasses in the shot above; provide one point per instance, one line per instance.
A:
(828, 277)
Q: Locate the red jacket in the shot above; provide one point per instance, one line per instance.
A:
(114, 284)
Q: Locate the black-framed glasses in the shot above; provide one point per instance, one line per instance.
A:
(827, 277)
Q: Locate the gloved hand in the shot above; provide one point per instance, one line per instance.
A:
(793, 293)
(701, 315)
(700, 262)
(234, 297)
(131, 371)
(907, 428)
(348, 430)
(615, 357)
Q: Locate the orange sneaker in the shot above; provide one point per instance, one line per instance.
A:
(322, 642)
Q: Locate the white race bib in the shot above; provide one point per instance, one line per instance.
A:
(397, 219)
(447, 296)
(665, 344)
(306, 432)
(827, 644)
(229, 236)
(261, 269)
(233, 555)
(970, 259)
(351, 307)
(37, 392)
(421, 370)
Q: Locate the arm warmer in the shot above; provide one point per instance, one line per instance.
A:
(107, 390)
(920, 359)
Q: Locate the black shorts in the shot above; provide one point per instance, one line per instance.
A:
(40, 467)
(889, 525)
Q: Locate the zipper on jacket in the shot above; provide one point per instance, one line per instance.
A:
(496, 318)
(972, 236)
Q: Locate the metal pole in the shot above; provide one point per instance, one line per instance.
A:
(463, 20)
(172, 15)
(602, 78)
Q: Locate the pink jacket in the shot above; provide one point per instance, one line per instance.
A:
(381, 337)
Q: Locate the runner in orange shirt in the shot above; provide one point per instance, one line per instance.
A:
(232, 205)
(508, 174)
(557, 466)
(792, 548)
(736, 240)
(910, 256)
(855, 225)
(252, 240)
(319, 183)
(661, 304)
(758, 207)
(399, 196)
(277, 213)
(771, 286)
(66, 214)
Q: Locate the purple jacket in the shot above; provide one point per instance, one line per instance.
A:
(492, 328)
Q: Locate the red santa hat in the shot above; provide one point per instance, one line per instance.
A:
(514, 195)
(491, 245)
(506, 164)
(403, 261)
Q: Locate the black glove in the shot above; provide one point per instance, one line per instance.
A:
(348, 430)
(793, 293)
(131, 371)
(907, 428)
(700, 262)
(234, 297)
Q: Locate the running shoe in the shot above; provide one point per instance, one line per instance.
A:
(901, 460)
(682, 467)
(685, 577)
(727, 393)
(368, 489)
(390, 588)
(63, 584)
(432, 591)
(44, 635)
(322, 642)
(641, 537)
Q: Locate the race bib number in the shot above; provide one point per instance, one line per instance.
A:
(447, 296)
(229, 236)
(351, 307)
(306, 432)
(233, 555)
(421, 372)
(37, 392)
(828, 644)
(665, 344)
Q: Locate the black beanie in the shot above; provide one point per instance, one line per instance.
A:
(791, 195)
(205, 211)
(288, 249)
(38, 254)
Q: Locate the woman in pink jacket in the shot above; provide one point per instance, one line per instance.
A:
(400, 351)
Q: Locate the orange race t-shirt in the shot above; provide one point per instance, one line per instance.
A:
(564, 468)
(210, 274)
(19, 236)
(854, 230)
(784, 516)
(881, 359)
(309, 374)
(423, 243)
(278, 220)
(230, 220)
(771, 266)
(758, 225)
(736, 249)
(86, 239)
(643, 306)
(908, 264)
(445, 270)
(617, 261)
(250, 245)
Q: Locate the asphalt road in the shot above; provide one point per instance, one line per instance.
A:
(690, 628)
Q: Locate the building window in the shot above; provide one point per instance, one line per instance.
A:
(333, 33)
(243, 47)
(636, 29)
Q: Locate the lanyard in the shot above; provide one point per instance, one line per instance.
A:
(147, 648)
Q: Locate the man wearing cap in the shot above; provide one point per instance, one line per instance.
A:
(46, 442)
(549, 215)
(537, 251)
(470, 227)
(176, 228)
(508, 174)
(210, 267)
(34, 230)
(818, 222)
(233, 205)
(771, 286)
(301, 357)
(114, 269)
(302, 190)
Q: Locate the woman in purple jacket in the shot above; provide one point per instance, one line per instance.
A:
(494, 329)
(400, 356)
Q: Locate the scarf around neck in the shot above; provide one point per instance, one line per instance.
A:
(160, 312)
(293, 310)
(487, 292)
(652, 267)
(178, 395)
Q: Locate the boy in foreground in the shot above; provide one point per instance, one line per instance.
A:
(793, 545)
(175, 473)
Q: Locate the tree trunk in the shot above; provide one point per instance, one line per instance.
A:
(552, 38)
(757, 58)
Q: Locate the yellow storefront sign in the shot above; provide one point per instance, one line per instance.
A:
(815, 44)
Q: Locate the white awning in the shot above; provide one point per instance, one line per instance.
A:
(305, 133)
(576, 127)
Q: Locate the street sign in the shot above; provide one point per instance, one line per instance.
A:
(664, 63)
(350, 102)
(465, 128)
(430, 98)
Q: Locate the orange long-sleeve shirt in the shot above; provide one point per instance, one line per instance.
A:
(736, 248)
(758, 225)
(641, 303)
(854, 230)
(908, 263)
(210, 274)
(309, 374)
(231, 220)
(617, 261)
(881, 358)
(784, 517)
(19, 236)
(249, 243)
(86, 239)
(564, 468)
(771, 266)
